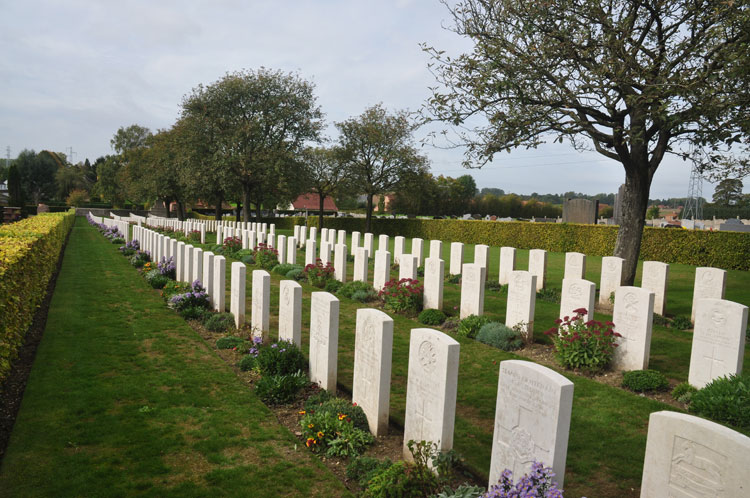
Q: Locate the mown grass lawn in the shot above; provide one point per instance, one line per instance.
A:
(609, 425)
(125, 398)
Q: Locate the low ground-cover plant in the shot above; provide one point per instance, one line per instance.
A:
(402, 296)
(726, 400)
(339, 406)
(470, 326)
(280, 358)
(431, 317)
(130, 248)
(362, 469)
(682, 323)
(645, 381)
(548, 294)
(266, 256)
(167, 267)
(318, 274)
(155, 278)
(194, 236)
(219, 322)
(358, 291)
(140, 258)
(283, 269)
(497, 335)
(537, 484)
(335, 427)
(231, 342)
(231, 245)
(683, 392)
(587, 346)
(195, 297)
(280, 389)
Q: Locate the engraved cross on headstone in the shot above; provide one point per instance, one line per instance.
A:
(714, 361)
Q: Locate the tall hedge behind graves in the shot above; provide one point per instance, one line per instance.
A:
(727, 250)
(29, 252)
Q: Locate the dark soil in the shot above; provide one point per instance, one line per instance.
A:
(11, 390)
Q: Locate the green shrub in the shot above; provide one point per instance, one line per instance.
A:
(266, 256)
(334, 434)
(451, 323)
(726, 400)
(661, 320)
(350, 288)
(220, 322)
(497, 335)
(644, 381)
(156, 280)
(280, 389)
(248, 260)
(402, 296)
(193, 312)
(588, 346)
(243, 253)
(247, 363)
(683, 392)
(394, 481)
(318, 274)
(463, 491)
(296, 274)
(469, 326)
(315, 401)
(336, 406)
(280, 358)
(682, 323)
(285, 268)
(431, 317)
(231, 342)
(332, 286)
(549, 295)
(494, 285)
(362, 469)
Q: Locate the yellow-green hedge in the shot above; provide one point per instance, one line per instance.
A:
(728, 250)
(29, 251)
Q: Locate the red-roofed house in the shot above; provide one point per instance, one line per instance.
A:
(311, 202)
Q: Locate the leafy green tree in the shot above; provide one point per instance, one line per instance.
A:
(378, 148)
(110, 183)
(37, 173)
(631, 79)
(728, 192)
(15, 190)
(68, 178)
(324, 174)
(653, 212)
(258, 122)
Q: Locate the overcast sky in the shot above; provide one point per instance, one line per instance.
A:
(72, 72)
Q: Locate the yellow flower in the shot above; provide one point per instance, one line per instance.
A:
(301, 412)
(310, 426)
(320, 434)
(342, 416)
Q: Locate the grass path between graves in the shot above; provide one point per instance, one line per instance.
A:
(125, 398)
(608, 427)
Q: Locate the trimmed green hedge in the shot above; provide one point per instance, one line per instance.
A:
(728, 250)
(29, 252)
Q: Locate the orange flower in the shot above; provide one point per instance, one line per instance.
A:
(310, 426)
(310, 442)
(301, 412)
(320, 434)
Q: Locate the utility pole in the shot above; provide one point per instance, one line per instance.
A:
(70, 154)
(7, 156)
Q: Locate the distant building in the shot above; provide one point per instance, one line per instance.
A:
(4, 192)
(387, 201)
(310, 202)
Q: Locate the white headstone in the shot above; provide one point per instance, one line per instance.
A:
(355, 242)
(331, 237)
(521, 303)
(313, 234)
(633, 318)
(417, 249)
(339, 262)
(208, 276)
(532, 420)
(369, 244)
(237, 296)
(220, 278)
(431, 389)
(507, 264)
(291, 251)
(398, 248)
(538, 267)
(324, 340)
(360, 265)
(302, 235)
(434, 275)
(197, 273)
(310, 252)
(482, 257)
(436, 249)
(408, 267)
(383, 241)
(575, 265)
(382, 272)
(325, 252)
(252, 240)
(472, 290)
(290, 312)
(323, 235)
(180, 262)
(611, 279)
(577, 293)
(709, 283)
(457, 258)
(188, 263)
(687, 456)
(655, 277)
(373, 347)
(281, 248)
(341, 237)
(718, 341)
(261, 302)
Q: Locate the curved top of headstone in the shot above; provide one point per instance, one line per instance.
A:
(261, 273)
(373, 314)
(537, 369)
(323, 296)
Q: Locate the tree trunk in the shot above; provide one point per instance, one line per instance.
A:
(320, 214)
(167, 203)
(238, 210)
(180, 211)
(258, 211)
(368, 219)
(634, 206)
(246, 203)
(217, 211)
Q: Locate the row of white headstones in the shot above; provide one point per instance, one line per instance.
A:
(533, 402)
